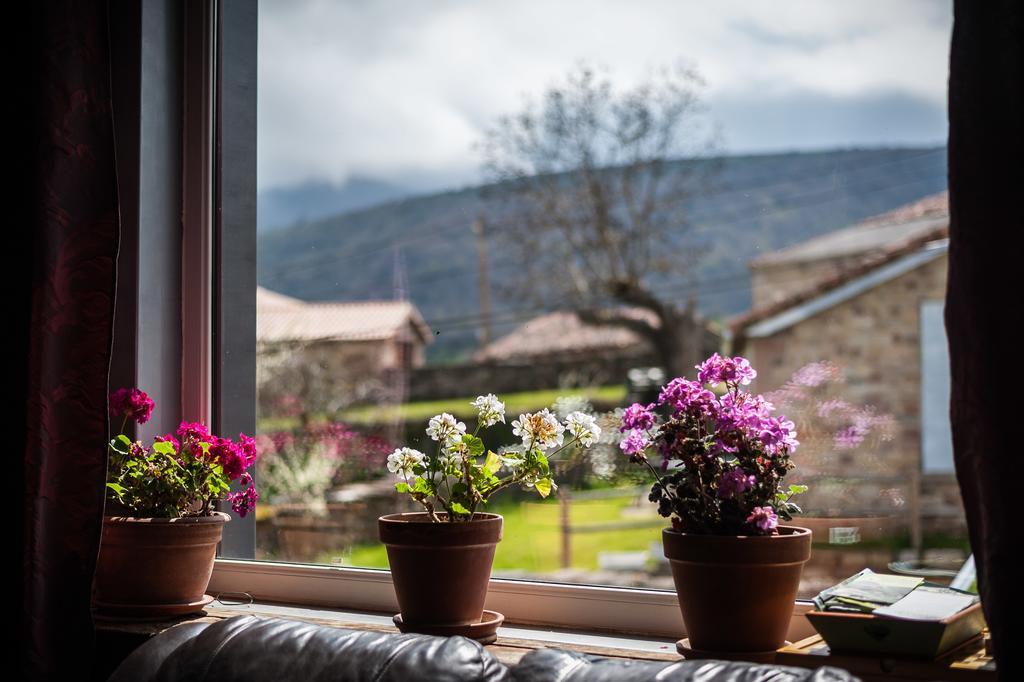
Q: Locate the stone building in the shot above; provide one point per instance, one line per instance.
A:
(868, 298)
(323, 356)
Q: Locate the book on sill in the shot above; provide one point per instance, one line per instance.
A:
(894, 596)
(879, 614)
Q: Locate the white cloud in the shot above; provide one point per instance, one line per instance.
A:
(402, 90)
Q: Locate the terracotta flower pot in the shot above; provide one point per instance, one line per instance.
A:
(440, 570)
(150, 567)
(737, 592)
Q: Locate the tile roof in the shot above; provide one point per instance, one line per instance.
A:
(890, 242)
(561, 333)
(282, 318)
(874, 234)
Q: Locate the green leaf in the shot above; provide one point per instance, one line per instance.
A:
(544, 486)
(475, 444)
(458, 509)
(420, 485)
(403, 487)
(164, 448)
(492, 464)
(797, 489)
(117, 488)
(121, 444)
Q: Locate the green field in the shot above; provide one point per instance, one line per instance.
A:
(515, 403)
(532, 537)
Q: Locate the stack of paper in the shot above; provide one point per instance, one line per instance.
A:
(895, 596)
(866, 591)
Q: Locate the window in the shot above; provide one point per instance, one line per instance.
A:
(388, 287)
(936, 437)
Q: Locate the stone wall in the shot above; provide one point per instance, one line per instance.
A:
(875, 337)
(773, 282)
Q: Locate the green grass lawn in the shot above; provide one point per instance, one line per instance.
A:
(515, 403)
(532, 539)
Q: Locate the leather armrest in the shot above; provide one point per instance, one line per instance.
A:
(556, 665)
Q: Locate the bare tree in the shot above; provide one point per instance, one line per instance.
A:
(595, 217)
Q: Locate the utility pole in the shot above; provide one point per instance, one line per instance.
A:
(484, 282)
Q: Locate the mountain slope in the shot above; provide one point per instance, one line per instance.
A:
(756, 204)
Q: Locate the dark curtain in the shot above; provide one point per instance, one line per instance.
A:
(66, 255)
(984, 303)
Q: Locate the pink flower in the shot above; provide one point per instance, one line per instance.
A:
(637, 417)
(634, 445)
(717, 369)
(734, 482)
(229, 455)
(247, 445)
(131, 403)
(764, 518)
(193, 431)
(244, 501)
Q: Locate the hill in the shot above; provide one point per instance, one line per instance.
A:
(755, 204)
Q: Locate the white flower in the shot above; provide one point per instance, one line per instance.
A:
(539, 429)
(584, 427)
(402, 461)
(446, 429)
(490, 409)
(567, 404)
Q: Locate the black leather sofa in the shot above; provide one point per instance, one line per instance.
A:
(250, 649)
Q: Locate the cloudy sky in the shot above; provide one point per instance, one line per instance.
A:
(399, 90)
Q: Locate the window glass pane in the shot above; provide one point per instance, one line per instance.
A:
(569, 208)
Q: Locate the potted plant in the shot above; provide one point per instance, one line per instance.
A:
(157, 550)
(441, 557)
(723, 455)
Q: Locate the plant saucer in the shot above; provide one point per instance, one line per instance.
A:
(485, 631)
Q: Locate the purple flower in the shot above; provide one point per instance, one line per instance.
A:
(850, 437)
(638, 417)
(816, 374)
(734, 482)
(764, 518)
(827, 407)
(244, 501)
(634, 445)
(717, 369)
(778, 434)
(683, 395)
(131, 403)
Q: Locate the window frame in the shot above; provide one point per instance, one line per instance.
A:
(228, 62)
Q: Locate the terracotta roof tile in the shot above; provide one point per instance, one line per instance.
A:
(561, 333)
(281, 318)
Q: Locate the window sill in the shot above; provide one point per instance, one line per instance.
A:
(578, 608)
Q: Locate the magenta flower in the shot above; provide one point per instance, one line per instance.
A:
(247, 446)
(244, 501)
(690, 397)
(196, 431)
(638, 417)
(131, 403)
(734, 482)
(229, 455)
(764, 518)
(634, 445)
(717, 369)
